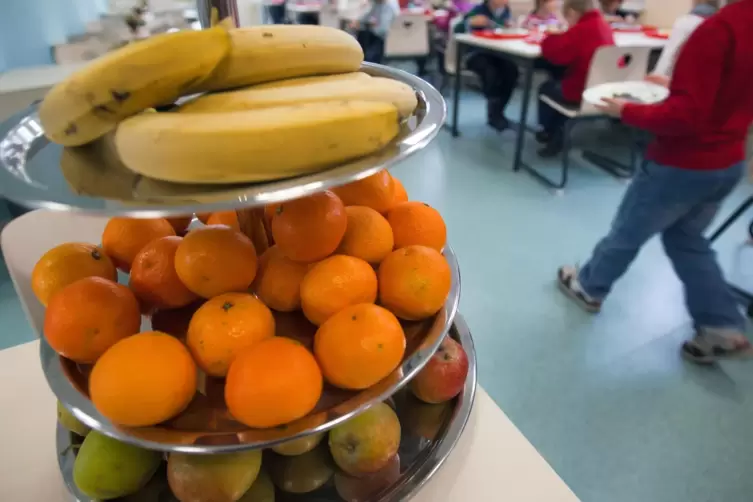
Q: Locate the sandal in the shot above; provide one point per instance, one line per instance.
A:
(710, 345)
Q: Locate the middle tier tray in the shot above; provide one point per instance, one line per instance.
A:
(206, 427)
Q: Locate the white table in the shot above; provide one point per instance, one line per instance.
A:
(492, 461)
(525, 55)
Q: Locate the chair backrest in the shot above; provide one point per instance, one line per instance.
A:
(328, 16)
(408, 36)
(449, 52)
(25, 239)
(618, 64)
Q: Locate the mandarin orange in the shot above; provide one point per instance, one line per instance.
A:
(311, 228)
(67, 263)
(215, 259)
(88, 316)
(359, 346)
(278, 282)
(224, 326)
(273, 383)
(123, 238)
(417, 223)
(414, 282)
(368, 236)
(375, 191)
(154, 280)
(229, 218)
(333, 284)
(143, 380)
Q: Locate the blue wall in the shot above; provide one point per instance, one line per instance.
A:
(28, 28)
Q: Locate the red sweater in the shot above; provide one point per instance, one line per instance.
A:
(704, 122)
(575, 48)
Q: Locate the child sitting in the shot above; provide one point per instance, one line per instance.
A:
(574, 50)
(372, 29)
(614, 13)
(544, 15)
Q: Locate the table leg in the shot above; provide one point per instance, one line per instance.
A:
(458, 81)
(523, 125)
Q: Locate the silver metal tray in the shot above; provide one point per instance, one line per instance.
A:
(425, 444)
(206, 427)
(36, 173)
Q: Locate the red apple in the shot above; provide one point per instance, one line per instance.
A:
(444, 375)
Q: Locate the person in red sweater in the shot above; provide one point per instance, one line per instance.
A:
(695, 161)
(573, 50)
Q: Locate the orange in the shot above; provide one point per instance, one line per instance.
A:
(153, 277)
(123, 238)
(215, 259)
(273, 383)
(310, 228)
(399, 193)
(417, 223)
(229, 218)
(88, 317)
(67, 263)
(375, 191)
(143, 380)
(359, 346)
(180, 223)
(203, 217)
(414, 282)
(224, 326)
(333, 284)
(368, 236)
(278, 282)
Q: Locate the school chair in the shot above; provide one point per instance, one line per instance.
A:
(610, 64)
(408, 38)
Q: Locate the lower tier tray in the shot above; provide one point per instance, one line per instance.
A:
(429, 434)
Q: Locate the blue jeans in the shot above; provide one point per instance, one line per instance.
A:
(678, 204)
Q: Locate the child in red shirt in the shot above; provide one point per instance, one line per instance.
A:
(573, 50)
(695, 161)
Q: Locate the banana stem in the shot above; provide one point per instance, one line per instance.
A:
(223, 8)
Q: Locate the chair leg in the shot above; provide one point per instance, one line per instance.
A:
(567, 146)
(612, 166)
(732, 219)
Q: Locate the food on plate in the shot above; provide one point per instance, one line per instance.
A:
(302, 81)
(143, 380)
(422, 419)
(71, 423)
(310, 228)
(154, 280)
(368, 235)
(262, 490)
(359, 346)
(123, 238)
(254, 145)
(302, 473)
(175, 322)
(414, 282)
(215, 259)
(277, 370)
(87, 317)
(223, 477)
(335, 283)
(376, 191)
(628, 96)
(299, 446)
(229, 218)
(276, 52)
(278, 281)
(444, 375)
(366, 444)
(67, 263)
(399, 193)
(225, 326)
(366, 487)
(106, 468)
(417, 223)
(93, 100)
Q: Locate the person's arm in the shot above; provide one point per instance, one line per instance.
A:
(560, 48)
(681, 31)
(476, 20)
(384, 21)
(694, 87)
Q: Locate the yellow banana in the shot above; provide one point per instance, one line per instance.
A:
(275, 52)
(255, 145)
(314, 90)
(92, 101)
(295, 82)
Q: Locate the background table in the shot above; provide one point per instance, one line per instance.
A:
(492, 461)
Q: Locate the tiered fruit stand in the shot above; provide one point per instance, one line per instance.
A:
(37, 173)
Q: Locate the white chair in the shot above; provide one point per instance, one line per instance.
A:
(450, 50)
(609, 64)
(408, 37)
(329, 16)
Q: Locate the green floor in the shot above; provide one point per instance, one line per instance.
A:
(606, 399)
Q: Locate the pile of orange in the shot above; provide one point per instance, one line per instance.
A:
(352, 260)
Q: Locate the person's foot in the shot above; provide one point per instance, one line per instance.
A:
(567, 280)
(552, 148)
(499, 123)
(543, 137)
(710, 345)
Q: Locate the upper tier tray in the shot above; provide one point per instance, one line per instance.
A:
(206, 426)
(36, 173)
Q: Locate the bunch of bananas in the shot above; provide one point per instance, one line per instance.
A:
(272, 102)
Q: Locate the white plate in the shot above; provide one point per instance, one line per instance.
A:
(645, 93)
(511, 31)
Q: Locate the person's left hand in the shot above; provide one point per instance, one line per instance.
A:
(613, 106)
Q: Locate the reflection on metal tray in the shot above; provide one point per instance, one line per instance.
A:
(38, 174)
(429, 434)
(207, 427)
